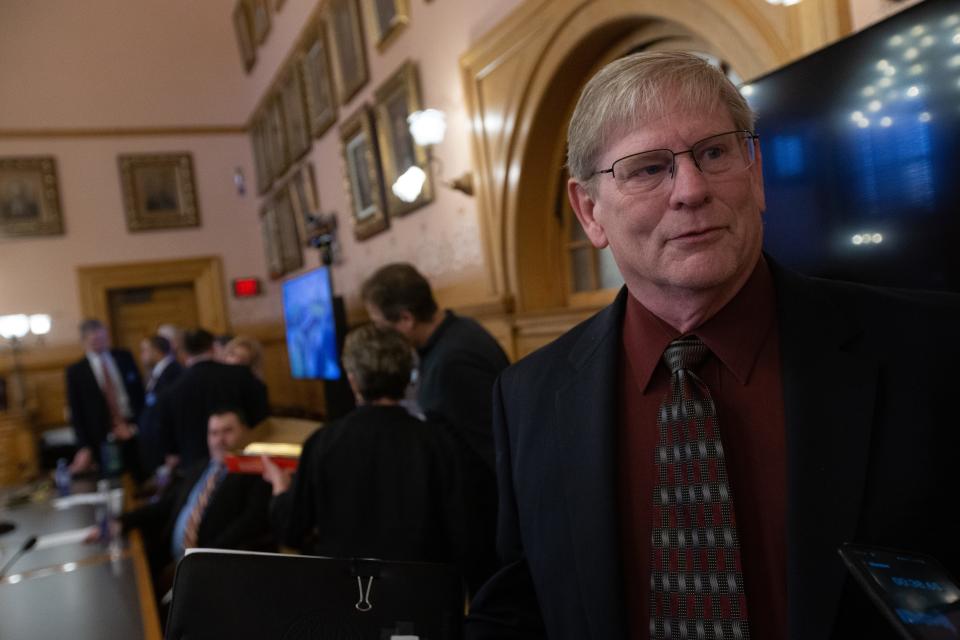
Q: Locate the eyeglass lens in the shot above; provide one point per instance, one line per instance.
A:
(715, 155)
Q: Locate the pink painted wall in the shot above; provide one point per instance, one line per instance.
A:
(443, 238)
(117, 63)
(38, 275)
(170, 63)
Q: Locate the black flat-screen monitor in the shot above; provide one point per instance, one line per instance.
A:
(310, 315)
(861, 153)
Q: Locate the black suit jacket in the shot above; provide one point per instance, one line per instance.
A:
(871, 455)
(88, 406)
(183, 409)
(235, 518)
(151, 444)
(379, 483)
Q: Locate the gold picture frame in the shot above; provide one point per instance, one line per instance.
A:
(261, 153)
(396, 99)
(279, 148)
(260, 19)
(362, 177)
(317, 81)
(306, 202)
(158, 191)
(271, 240)
(29, 197)
(345, 26)
(296, 127)
(386, 19)
(288, 235)
(243, 29)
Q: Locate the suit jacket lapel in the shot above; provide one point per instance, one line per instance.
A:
(829, 394)
(586, 417)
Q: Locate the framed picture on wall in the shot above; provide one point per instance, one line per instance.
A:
(158, 191)
(271, 240)
(260, 10)
(243, 29)
(29, 197)
(386, 19)
(362, 174)
(280, 157)
(290, 250)
(295, 113)
(317, 82)
(350, 51)
(306, 203)
(261, 153)
(397, 98)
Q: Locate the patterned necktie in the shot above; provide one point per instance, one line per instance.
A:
(196, 515)
(110, 392)
(696, 575)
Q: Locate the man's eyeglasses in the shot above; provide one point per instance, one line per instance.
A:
(723, 153)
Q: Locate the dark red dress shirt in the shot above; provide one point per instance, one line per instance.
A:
(743, 374)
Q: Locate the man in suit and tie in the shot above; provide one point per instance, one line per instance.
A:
(183, 409)
(207, 507)
(157, 358)
(105, 394)
(685, 463)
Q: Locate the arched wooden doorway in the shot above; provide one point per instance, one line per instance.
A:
(522, 81)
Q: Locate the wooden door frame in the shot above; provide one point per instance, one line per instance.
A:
(95, 282)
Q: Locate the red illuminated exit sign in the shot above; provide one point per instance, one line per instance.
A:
(246, 287)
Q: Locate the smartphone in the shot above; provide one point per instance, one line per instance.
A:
(914, 591)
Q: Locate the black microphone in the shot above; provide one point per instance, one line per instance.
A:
(28, 544)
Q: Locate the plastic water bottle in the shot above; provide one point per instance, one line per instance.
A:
(62, 477)
(103, 510)
(110, 457)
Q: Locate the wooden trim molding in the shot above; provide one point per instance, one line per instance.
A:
(205, 274)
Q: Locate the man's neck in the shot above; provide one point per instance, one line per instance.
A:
(686, 309)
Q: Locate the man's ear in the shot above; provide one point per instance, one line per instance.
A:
(585, 207)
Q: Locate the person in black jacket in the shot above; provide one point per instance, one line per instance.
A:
(379, 482)
(183, 409)
(230, 510)
(459, 359)
(105, 394)
(158, 358)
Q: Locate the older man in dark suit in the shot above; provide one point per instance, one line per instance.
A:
(686, 462)
(105, 394)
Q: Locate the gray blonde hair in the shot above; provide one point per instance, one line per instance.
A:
(641, 86)
(379, 360)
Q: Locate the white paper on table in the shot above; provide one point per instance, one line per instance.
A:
(72, 536)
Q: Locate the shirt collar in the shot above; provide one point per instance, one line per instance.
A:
(735, 334)
(160, 366)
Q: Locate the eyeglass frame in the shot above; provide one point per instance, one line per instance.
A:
(673, 167)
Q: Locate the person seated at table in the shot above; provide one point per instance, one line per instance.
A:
(208, 507)
(377, 483)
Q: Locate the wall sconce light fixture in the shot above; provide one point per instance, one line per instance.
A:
(428, 128)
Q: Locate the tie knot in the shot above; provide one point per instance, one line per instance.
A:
(684, 353)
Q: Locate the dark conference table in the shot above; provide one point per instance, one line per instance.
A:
(73, 590)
